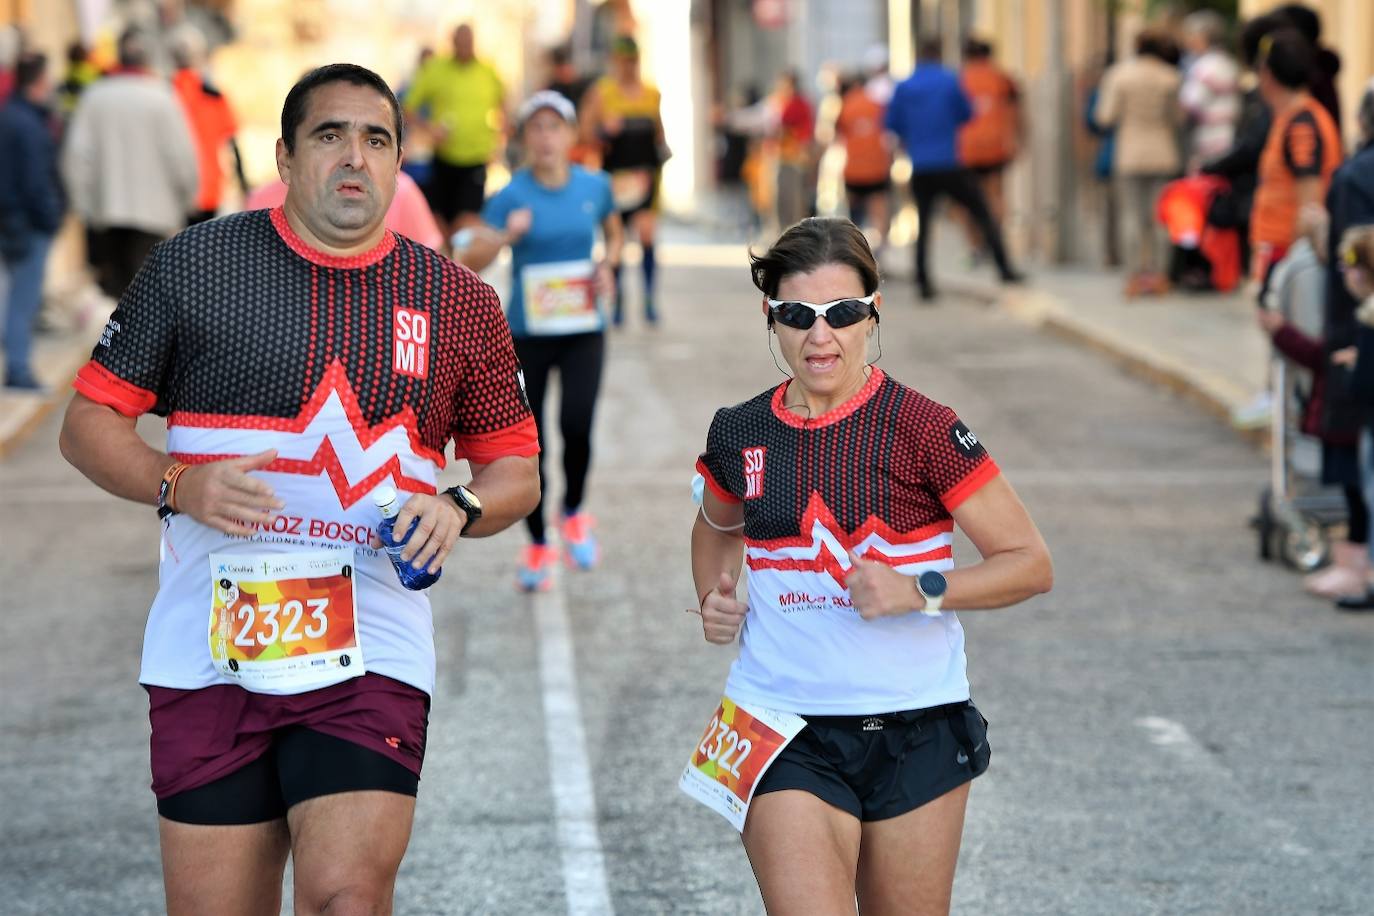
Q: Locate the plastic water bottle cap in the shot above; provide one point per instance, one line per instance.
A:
(384, 496)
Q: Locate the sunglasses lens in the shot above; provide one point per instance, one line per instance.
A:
(843, 314)
(794, 315)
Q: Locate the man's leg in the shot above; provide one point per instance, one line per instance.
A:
(925, 191)
(965, 190)
(349, 809)
(223, 870)
(346, 850)
(25, 297)
(224, 844)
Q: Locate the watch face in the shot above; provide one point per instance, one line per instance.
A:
(933, 584)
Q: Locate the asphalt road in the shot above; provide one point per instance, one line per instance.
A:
(1175, 729)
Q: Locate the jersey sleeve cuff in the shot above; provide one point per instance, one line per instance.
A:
(956, 495)
(722, 494)
(104, 387)
(518, 441)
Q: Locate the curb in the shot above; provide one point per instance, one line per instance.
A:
(23, 414)
(1043, 311)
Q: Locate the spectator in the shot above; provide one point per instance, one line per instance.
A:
(1324, 64)
(988, 141)
(1139, 98)
(1240, 164)
(868, 160)
(926, 112)
(1211, 88)
(563, 76)
(212, 121)
(796, 134)
(81, 72)
(30, 210)
(129, 164)
(1303, 149)
(461, 101)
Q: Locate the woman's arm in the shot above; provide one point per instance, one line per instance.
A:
(716, 560)
(1015, 566)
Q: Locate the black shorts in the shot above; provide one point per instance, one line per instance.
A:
(868, 189)
(301, 764)
(456, 189)
(876, 767)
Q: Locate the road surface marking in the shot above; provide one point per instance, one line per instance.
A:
(570, 772)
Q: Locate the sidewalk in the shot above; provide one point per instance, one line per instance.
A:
(1206, 348)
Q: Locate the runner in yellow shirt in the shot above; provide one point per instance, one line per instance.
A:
(461, 101)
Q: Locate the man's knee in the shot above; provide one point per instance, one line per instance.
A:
(345, 894)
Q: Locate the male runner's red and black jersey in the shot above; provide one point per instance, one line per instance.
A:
(356, 371)
(878, 476)
(399, 332)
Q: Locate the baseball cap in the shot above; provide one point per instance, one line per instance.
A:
(546, 98)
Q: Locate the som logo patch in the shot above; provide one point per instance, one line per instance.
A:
(409, 342)
(753, 471)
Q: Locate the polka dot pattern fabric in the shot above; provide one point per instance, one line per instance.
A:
(890, 454)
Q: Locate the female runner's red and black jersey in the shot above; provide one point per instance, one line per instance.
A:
(880, 476)
(357, 370)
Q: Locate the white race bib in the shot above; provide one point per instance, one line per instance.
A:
(285, 622)
(739, 745)
(560, 298)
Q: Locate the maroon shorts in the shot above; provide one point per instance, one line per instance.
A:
(202, 735)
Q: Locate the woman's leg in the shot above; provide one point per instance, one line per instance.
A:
(579, 379)
(906, 863)
(646, 225)
(804, 853)
(537, 356)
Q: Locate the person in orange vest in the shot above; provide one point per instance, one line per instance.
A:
(989, 141)
(211, 120)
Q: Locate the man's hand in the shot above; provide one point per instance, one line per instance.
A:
(721, 614)
(878, 590)
(441, 522)
(1269, 320)
(224, 496)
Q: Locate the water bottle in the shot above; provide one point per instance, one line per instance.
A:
(411, 577)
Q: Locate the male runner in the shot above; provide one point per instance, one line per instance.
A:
(303, 357)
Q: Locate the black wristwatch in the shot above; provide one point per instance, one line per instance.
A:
(468, 502)
(932, 587)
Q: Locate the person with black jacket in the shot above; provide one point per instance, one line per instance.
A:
(31, 208)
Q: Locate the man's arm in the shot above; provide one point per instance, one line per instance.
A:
(104, 445)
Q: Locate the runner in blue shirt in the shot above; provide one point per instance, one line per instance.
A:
(548, 215)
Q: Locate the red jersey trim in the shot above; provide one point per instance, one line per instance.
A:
(976, 479)
(335, 381)
(722, 494)
(323, 259)
(104, 387)
(518, 441)
(861, 398)
(826, 562)
(817, 510)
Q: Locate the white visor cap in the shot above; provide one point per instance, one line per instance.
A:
(546, 98)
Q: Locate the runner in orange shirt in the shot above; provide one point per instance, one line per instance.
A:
(988, 142)
(868, 160)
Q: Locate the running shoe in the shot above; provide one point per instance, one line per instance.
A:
(536, 567)
(650, 313)
(579, 543)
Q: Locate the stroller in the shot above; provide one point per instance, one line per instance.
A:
(1296, 512)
